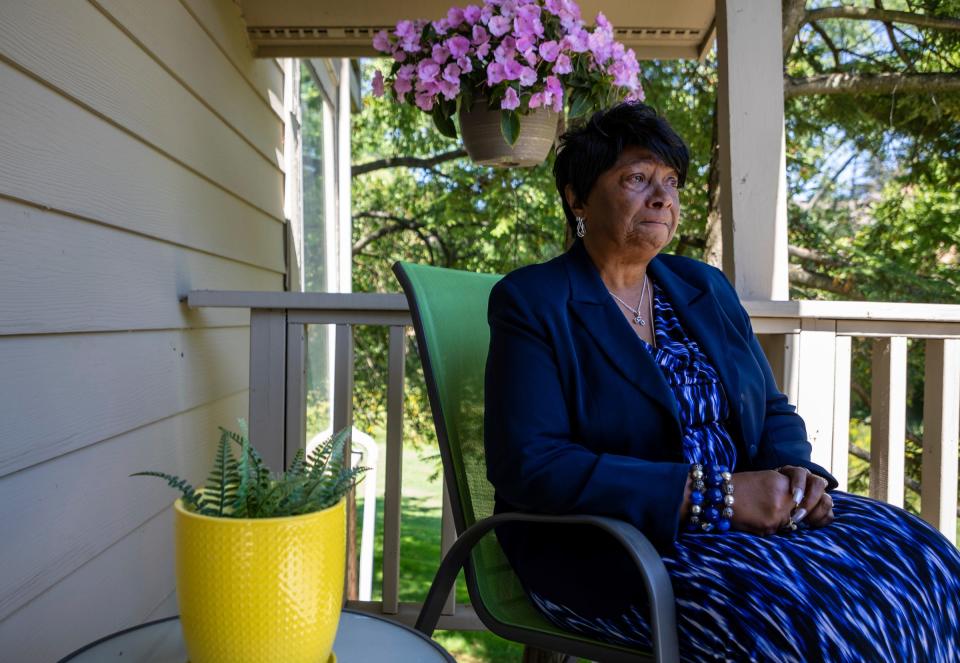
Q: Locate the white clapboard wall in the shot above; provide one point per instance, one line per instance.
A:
(141, 157)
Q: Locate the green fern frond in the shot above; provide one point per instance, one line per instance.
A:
(220, 491)
(242, 487)
(298, 465)
(190, 495)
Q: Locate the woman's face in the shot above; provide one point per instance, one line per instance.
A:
(633, 207)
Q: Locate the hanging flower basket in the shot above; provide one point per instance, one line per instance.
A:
(485, 141)
(514, 64)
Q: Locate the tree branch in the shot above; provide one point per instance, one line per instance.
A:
(399, 224)
(888, 26)
(430, 238)
(883, 15)
(801, 276)
(829, 42)
(826, 184)
(409, 162)
(793, 18)
(870, 84)
(813, 256)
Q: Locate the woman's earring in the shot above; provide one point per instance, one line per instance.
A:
(581, 228)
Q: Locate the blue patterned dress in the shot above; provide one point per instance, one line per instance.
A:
(877, 584)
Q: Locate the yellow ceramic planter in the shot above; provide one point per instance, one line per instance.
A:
(260, 590)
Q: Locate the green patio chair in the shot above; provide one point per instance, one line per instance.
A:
(449, 310)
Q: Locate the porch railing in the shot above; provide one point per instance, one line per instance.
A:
(808, 343)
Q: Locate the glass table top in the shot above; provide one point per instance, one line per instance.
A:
(360, 638)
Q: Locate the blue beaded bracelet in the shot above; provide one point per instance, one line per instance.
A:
(711, 498)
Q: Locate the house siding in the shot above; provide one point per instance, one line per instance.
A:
(141, 156)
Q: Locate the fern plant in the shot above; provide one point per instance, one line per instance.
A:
(241, 486)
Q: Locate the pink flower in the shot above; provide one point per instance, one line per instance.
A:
(402, 85)
(486, 13)
(399, 56)
(531, 57)
(495, 73)
(527, 27)
(553, 94)
(427, 70)
(636, 95)
(549, 50)
(451, 74)
(620, 73)
(555, 7)
(602, 22)
(449, 90)
(465, 64)
(499, 26)
(529, 12)
(525, 43)
(601, 46)
(424, 101)
(440, 54)
(503, 53)
(554, 86)
(471, 14)
(454, 17)
(406, 30)
(562, 65)
(512, 69)
(507, 7)
(381, 42)
(483, 50)
(377, 83)
(557, 105)
(405, 76)
(572, 9)
(441, 26)
(577, 41)
(536, 100)
(528, 76)
(409, 34)
(510, 99)
(458, 46)
(480, 35)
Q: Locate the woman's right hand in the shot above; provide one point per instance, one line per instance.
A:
(762, 501)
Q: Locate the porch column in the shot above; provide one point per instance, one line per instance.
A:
(752, 164)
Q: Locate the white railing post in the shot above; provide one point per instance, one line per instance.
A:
(941, 423)
(816, 395)
(392, 494)
(888, 419)
(841, 411)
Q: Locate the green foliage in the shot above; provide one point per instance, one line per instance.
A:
(244, 488)
(510, 126)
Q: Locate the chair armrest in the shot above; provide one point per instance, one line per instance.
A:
(655, 578)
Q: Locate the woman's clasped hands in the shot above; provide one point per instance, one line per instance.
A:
(771, 500)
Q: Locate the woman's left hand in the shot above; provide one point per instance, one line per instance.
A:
(814, 504)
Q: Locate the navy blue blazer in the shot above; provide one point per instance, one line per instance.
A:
(579, 419)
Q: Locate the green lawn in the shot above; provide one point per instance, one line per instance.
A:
(420, 556)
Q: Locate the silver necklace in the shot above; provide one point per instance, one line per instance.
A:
(637, 318)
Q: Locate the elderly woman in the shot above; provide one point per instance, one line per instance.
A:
(628, 383)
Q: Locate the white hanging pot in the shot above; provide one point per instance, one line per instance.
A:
(485, 144)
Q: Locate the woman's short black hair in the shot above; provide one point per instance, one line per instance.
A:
(588, 150)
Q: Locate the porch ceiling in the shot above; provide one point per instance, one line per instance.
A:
(681, 29)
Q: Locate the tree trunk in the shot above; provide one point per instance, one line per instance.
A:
(885, 83)
(885, 16)
(713, 237)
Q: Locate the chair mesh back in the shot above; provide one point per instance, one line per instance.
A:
(449, 309)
